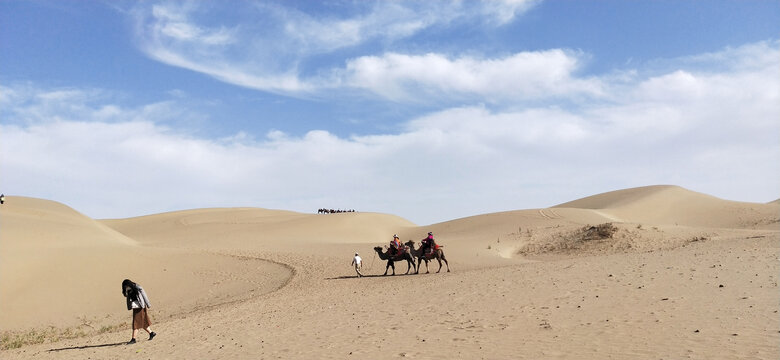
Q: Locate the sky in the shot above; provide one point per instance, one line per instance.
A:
(428, 110)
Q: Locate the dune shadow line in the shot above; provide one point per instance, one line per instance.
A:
(86, 347)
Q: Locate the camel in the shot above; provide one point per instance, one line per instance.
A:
(406, 255)
(438, 254)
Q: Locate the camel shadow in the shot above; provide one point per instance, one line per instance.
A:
(365, 276)
(87, 347)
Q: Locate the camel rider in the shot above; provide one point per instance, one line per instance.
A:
(428, 244)
(395, 245)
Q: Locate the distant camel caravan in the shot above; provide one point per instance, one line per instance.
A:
(331, 211)
(391, 259)
(437, 254)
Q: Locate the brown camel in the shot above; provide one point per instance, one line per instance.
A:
(437, 254)
(406, 255)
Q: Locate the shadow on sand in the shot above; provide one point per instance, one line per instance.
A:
(365, 276)
(87, 347)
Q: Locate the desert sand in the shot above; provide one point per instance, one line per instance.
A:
(658, 272)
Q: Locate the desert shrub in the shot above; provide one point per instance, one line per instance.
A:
(598, 232)
(572, 240)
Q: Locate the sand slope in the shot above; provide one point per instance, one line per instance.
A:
(60, 268)
(666, 205)
(253, 227)
(684, 275)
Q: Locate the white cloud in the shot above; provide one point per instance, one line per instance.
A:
(713, 131)
(275, 51)
(528, 75)
(171, 21)
(383, 20)
(504, 11)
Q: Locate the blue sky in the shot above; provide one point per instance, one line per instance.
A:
(424, 109)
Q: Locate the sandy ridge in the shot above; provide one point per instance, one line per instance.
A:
(246, 282)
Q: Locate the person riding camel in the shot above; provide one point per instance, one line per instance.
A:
(428, 244)
(395, 245)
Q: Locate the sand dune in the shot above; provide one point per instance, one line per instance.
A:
(681, 274)
(253, 229)
(51, 255)
(666, 205)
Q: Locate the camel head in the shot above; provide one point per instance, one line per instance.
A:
(410, 244)
(378, 249)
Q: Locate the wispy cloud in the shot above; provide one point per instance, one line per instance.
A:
(277, 50)
(703, 127)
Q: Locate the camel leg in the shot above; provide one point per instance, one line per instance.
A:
(445, 261)
(392, 264)
(387, 267)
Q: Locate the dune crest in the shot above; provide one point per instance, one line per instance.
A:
(249, 226)
(51, 253)
(674, 205)
(59, 225)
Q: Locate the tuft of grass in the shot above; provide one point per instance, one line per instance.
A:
(17, 339)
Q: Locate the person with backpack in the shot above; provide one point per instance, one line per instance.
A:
(138, 302)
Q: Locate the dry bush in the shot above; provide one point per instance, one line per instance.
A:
(598, 232)
(570, 241)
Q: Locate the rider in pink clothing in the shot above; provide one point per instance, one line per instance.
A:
(428, 243)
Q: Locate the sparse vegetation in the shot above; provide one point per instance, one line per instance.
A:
(598, 232)
(17, 339)
(608, 238)
(572, 240)
(699, 238)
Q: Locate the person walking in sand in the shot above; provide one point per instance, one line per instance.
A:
(138, 302)
(358, 263)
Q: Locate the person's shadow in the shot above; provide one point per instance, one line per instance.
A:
(86, 347)
(365, 276)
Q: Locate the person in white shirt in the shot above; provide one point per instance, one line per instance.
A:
(358, 262)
